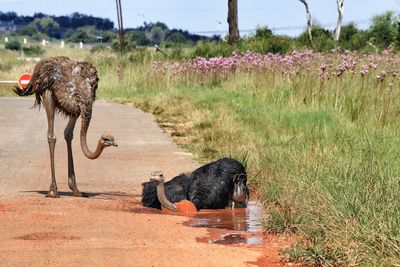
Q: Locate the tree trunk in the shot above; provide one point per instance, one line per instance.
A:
(309, 19)
(233, 22)
(340, 18)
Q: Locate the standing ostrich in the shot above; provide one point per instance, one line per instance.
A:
(68, 87)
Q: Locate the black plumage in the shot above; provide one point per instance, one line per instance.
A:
(176, 190)
(209, 187)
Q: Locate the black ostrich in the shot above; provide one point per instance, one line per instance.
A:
(216, 185)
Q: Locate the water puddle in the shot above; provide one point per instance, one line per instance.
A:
(237, 239)
(243, 219)
(229, 226)
(246, 222)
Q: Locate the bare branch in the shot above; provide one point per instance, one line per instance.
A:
(309, 20)
(340, 18)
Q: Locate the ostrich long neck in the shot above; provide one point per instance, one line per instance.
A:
(85, 149)
(163, 198)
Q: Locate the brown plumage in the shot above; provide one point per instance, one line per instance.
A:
(69, 87)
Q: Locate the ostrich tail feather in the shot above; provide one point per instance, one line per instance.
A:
(24, 92)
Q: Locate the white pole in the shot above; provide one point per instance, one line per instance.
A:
(80, 45)
(62, 44)
(44, 42)
(25, 41)
(6, 39)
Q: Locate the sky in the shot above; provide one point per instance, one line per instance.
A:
(208, 17)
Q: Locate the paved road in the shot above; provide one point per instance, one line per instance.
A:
(143, 148)
(110, 228)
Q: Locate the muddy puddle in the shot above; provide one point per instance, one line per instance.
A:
(243, 219)
(242, 225)
(246, 222)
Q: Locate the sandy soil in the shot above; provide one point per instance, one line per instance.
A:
(110, 228)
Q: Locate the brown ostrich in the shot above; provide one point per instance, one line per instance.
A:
(184, 207)
(69, 87)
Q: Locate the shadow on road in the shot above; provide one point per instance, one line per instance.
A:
(98, 195)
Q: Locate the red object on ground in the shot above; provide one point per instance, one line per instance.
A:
(185, 207)
(23, 80)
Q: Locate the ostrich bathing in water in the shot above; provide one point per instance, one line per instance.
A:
(216, 185)
(69, 87)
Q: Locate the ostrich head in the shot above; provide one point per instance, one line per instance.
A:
(240, 193)
(107, 140)
(157, 177)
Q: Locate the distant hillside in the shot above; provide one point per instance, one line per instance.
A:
(89, 29)
(53, 26)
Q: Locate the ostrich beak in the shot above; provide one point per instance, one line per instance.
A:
(111, 143)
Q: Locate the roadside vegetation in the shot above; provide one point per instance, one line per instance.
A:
(318, 131)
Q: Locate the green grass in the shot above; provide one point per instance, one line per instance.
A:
(325, 158)
(328, 171)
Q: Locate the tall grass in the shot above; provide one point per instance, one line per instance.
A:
(321, 140)
(320, 133)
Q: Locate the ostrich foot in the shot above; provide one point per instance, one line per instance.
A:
(53, 194)
(74, 188)
(78, 193)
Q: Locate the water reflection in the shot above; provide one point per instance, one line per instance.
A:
(243, 219)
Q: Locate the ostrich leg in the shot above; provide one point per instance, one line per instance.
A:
(50, 108)
(69, 135)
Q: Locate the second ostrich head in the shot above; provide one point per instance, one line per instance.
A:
(158, 178)
(107, 140)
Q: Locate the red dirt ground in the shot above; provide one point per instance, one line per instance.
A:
(113, 230)
(110, 228)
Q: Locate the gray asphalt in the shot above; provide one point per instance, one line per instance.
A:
(143, 148)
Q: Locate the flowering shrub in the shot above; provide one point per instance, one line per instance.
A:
(323, 66)
(352, 83)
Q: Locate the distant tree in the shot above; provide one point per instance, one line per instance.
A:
(156, 35)
(348, 31)
(382, 31)
(233, 22)
(46, 25)
(80, 35)
(322, 39)
(161, 25)
(108, 36)
(352, 38)
(63, 21)
(39, 15)
(8, 16)
(176, 37)
(137, 37)
(263, 32)
(340, 19)
(76, 20)
(28, 30)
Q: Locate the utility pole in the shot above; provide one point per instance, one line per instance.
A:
(120, 26)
